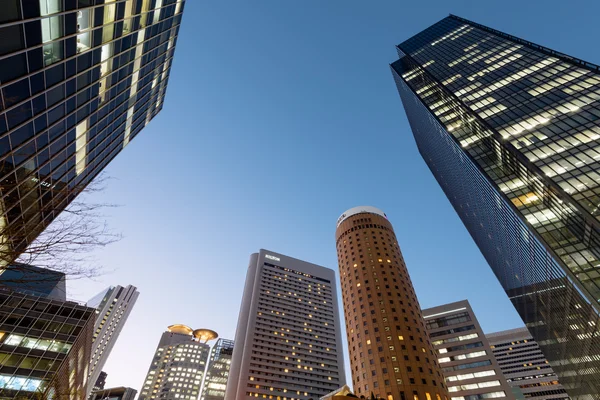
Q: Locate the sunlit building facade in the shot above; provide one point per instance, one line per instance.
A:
(78, 81)
(113, 307)
(288, 342)
(525, 366)
(464, 354)
(511, 130)
(217, 372)
(391, 355)
(178, 366)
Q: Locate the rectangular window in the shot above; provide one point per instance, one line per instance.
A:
(157, 11)
(48, 7)
(81, 146)
(52, 29)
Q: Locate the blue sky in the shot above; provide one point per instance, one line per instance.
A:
(279, 116)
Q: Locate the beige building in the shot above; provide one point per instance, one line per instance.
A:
(390, 352)
(288, 343)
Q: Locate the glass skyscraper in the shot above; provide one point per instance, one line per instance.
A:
(217, 372)
(510, 130)
(79, 79)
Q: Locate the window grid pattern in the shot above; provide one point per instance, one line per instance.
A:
(217, 372)
(78, 81)
(294, 352)
(532, 259)
(43, 342)
(177, 369)
(525, 366)
(390, 352)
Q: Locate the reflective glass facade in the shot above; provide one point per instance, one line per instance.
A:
(44, 347)
(510, 130)
(217, 373)
(79, 79)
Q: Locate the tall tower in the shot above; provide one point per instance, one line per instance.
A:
(217, 372)
(288, 342)
(511, 131)
(79, 80)
(113, 307)
(178, 365)
(390, 352)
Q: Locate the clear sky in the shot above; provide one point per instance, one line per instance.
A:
(279, 116)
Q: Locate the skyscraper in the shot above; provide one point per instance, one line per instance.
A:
(79, 80)
(178, 365)
(120, 393)
(390, 352)
(524, 365)
(510, 130)
(464, 354)
(288, 342)
(34, 280)
(217, 372)
(113, 307)
(44, 347)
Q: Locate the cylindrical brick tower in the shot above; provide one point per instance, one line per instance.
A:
(390, 352)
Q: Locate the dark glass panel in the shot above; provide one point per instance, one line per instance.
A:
(19, 114)
(21, 135)
(37, 83)
(33, 33)
(13, 67)
(16, 92)
(11, 11)
(31, 8)
(12, 37)
(35, 58)
(54, 75)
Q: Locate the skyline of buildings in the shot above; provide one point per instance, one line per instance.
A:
(288, 337)
(78, 81)
(390, 352)
(464, 354)
(113, 306)
(519, 123)
(178, 365)
(524, 365)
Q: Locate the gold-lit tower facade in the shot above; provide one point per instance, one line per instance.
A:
(390, 352)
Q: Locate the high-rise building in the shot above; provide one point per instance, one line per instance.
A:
(100, 382)
(120, 393)
(113, 307)
(79, 80)
(390, 353)
(464, 354)
(178, 364)
(511, 129)
(288, 342)
(217, 372)
(524, 365)
(44, 347)
(33, 280)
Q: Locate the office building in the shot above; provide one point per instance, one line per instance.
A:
(44, 347)
(468, 364)
(288, 342)
(178, 364)
(390, 353)
(120, 393)
(524, 365)
(33, 280)
(113, 306)
(79, 80)
(510, 130)
(100, 382)
(217, 372)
